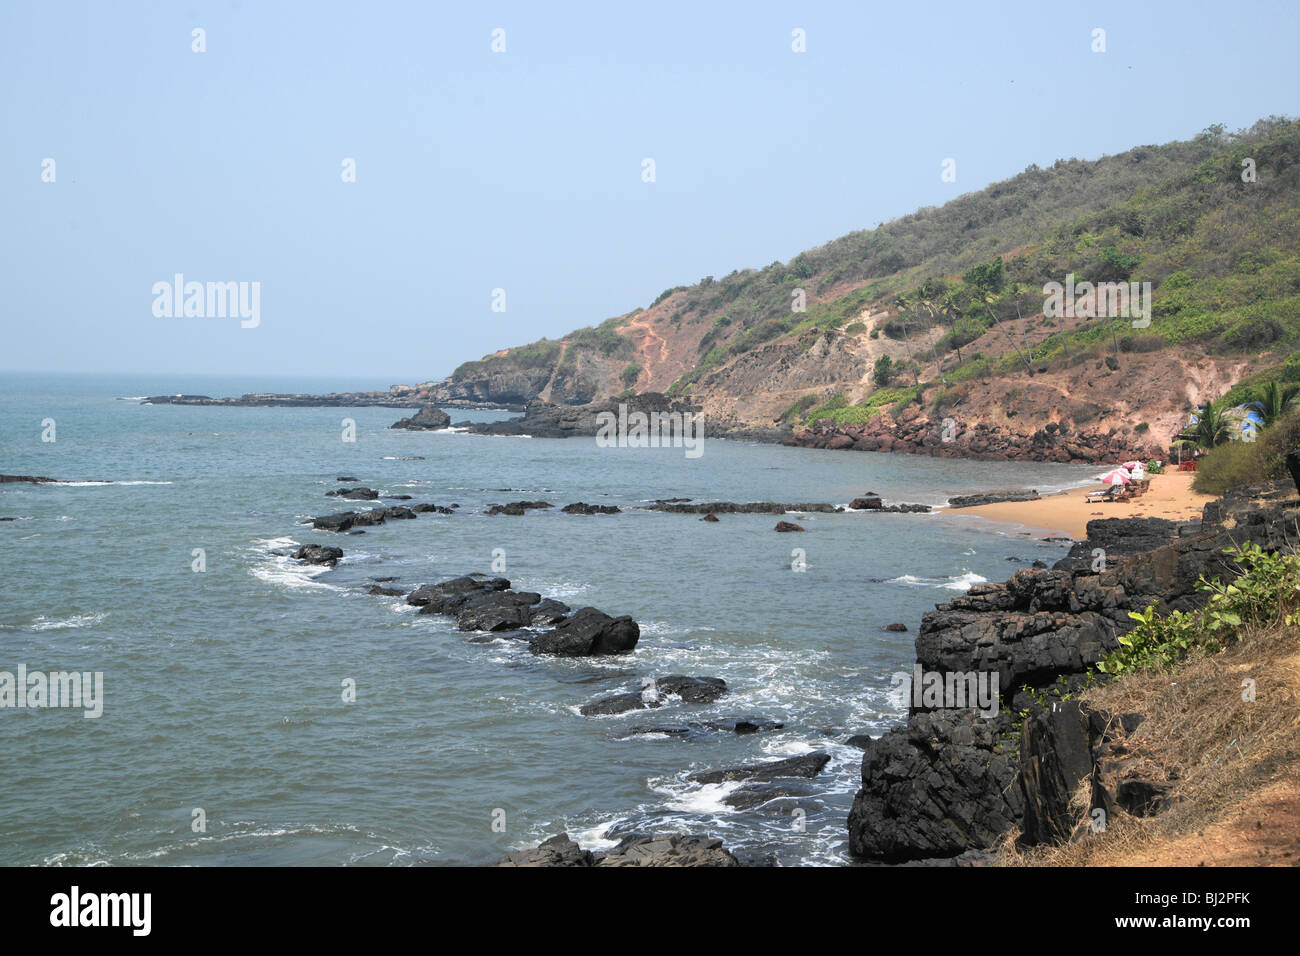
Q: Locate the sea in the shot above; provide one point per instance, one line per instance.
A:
(258, 711)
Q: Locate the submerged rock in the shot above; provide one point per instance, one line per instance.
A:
(653, 693)
(805, 765)
(582, 508)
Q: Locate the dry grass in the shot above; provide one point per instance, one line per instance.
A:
(1234, 764)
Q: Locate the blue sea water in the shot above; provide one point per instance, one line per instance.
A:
(223, 688)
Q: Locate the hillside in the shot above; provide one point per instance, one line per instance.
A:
(941, 312)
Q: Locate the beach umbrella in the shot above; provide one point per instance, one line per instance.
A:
(1118, 476)
(1131, 465)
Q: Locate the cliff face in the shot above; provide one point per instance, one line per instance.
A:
(950, 781)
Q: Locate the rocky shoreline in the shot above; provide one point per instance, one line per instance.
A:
(949, 782)
(950, 438)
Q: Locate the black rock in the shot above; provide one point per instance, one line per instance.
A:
(427, 418)
(588, 632)
(582, 508)
(517, 507)
(354, 494)
(319, 554)
(806, 765)
(691, 690)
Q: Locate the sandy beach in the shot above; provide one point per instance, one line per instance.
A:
(1170, 496)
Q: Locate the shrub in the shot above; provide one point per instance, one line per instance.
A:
(883, 371)
(856, 328)
(1263, 595)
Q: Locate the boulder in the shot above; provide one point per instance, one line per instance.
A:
(319, 554)
(428, 418)
(787, 526)
(588, 632)
(805, 765)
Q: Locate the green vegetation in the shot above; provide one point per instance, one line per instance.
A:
(883, 371)
(1265, 594)
(630, 374)
(1246, 462)
(798, 407)
(838, 412)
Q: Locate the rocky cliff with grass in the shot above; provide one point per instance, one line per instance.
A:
(940, 315)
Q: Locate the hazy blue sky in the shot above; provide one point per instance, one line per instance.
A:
(523, 170)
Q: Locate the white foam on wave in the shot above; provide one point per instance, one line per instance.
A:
(43, 623)
(100, 484)
(958, 582)
(283, 571)
(705, 799)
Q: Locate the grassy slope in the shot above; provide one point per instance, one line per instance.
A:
(1221, 254)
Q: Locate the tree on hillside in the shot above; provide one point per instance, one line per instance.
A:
(1274, 399)
(950, 304)
(904, 302)
(1213, 427)
(927, 299)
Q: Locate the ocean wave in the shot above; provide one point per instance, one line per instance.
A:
(283, 571)
(958, 582)
(99, 484)
(43, 623)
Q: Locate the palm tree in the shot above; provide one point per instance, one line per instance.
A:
(950, 304)
(1213, 427)
(1274, 400)
(988, 297)
(926, 299)
(904, 302)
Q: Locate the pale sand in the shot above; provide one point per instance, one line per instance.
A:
(1170, 496)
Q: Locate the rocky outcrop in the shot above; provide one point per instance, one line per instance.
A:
(354, 494)
(732, 508)
(936, 787)
(921, 435)
(480, 602)
(787, 526)
(428, 418)
(992, 497)
(319, 554)
(28, 479)
(517, 508)
(588, 632)
(805, 765)
(655, 693)
(582, 508)
(672, 849)
(548, 420)
(946, 782)
(1119, 538)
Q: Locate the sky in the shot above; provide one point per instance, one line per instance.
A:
(523, 169)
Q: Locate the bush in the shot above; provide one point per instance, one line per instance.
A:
(1263, 595)
(630, 374)
(883, 371)
(856, 328)
(1243, 463)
